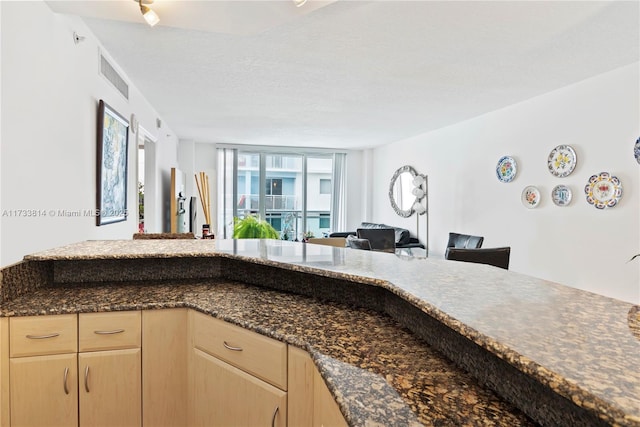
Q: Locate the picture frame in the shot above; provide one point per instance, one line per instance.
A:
(112, 166)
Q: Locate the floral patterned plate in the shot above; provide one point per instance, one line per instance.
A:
(561, 195)
(530, 196)
(603, 190)
(562, 161)
(506, 169)
(636, 150)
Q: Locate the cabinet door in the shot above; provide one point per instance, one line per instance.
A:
(44, 390)
(325, 409)
(110, 388)
(222, 395)
(164, 368)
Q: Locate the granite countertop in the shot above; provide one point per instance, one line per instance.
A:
(379, 373)
(583, 346)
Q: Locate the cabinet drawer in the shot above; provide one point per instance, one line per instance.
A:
(40, 335)
(109, 331)
(258, 355)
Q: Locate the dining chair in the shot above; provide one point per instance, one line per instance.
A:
(498, 257)
(356, 243)
(457, 240)
(380, 239)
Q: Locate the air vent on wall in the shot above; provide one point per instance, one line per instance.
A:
(110, 73)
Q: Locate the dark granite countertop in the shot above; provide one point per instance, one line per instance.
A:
(379, 372)
(583, 346)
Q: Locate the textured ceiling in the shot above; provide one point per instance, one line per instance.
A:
(353, 74)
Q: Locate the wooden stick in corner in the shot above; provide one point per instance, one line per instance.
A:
(200, 194)
(208, 200)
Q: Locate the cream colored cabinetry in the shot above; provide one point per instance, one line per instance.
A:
(237, 377)
(172, 367)
(326, 412)
(109, 364)
(310, 401)
(227, 396)
(164, 368)
(4, 372)
(43, 371)
(71, 370)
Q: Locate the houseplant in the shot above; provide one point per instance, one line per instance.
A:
(252, 227)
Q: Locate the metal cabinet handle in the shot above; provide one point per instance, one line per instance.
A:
(41, 337)
(86, 379)
(273, 418)
(112, 332)
(230, 347)
(64, 381)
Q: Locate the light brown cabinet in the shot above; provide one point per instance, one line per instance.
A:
(310, 401)
(173, 367)
(326, 412)
(164, 367)
(44, 390)
(109, 367)
(237, 377)
(223, 395)
(110, 388)
(51, 384)
(43, 370)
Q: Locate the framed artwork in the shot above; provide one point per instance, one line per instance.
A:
(112, 154)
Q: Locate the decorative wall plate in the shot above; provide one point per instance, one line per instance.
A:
(562, 161)
(506, 169)
(530, 196)
(636, 150)
(603, 190)
(561, 195)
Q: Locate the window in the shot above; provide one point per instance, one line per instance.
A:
(325, 221)
(325, 186)
(292, 191)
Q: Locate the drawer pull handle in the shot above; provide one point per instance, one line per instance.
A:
(65, 378)
(86, 379)
(42, 337)
(273, 418)
(230, 347)
(112, 332)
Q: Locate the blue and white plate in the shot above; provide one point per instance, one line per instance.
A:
(561, 195)
(636, 150)
(506, 169)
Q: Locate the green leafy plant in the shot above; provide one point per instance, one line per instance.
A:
(252, 227)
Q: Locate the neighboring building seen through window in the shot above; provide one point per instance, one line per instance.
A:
(295, 195)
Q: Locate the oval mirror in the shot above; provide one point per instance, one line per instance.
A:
(405, 191)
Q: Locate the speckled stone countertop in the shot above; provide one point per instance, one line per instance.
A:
(380, 373)
(583, 346)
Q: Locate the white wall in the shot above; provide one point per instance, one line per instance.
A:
(576, 245)
(50, 93)
(193, 158)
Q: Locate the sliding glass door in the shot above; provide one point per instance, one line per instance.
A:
(319, 189)
(283, 193)
(292, 191)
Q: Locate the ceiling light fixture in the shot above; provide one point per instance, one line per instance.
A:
(148, 14)
(299, 3)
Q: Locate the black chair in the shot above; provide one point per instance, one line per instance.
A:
(381, 239)
(355, 243)
(464, 241)
(498, 257)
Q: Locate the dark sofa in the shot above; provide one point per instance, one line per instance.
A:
(403, 237)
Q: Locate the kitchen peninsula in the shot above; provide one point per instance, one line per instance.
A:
(398, 340)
